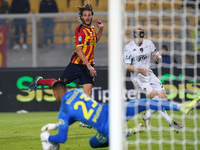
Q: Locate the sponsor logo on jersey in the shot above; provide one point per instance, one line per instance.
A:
(88, 43)
(141, 57)
(134, 49)
(128, 57)
(132, 60)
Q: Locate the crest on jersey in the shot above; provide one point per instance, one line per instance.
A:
(61, 121)
(141, 49)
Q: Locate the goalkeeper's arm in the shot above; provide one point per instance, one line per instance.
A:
(61, 137)
(50, 126)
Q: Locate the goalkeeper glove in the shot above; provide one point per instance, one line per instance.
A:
(50, 126)
(44, 136)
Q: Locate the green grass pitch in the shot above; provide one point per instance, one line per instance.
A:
(22, 132)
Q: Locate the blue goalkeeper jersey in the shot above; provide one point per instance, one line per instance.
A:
(76, 105)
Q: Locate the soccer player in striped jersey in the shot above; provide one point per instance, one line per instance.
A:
(137, 60)
(78, 106)
(82, 59)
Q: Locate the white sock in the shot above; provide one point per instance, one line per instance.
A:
(149, 113)
(179, 106)
(163, 113)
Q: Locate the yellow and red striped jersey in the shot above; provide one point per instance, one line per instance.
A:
(85, 37)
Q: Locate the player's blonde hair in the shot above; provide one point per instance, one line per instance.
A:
(81, 9)
(138, 28)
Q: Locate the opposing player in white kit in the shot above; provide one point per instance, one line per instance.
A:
(137, 59)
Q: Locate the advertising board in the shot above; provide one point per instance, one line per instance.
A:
(14, 83)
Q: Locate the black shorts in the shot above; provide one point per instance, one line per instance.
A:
(74, 71)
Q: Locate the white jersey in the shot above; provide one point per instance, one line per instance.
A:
(140, 57)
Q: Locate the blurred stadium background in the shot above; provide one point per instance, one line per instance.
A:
(58, 54)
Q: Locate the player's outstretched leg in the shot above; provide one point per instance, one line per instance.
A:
(172, 124)
(176, 125)
(34, 84)
(146, 121)
(189, 105)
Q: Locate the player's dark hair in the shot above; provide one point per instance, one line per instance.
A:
(59, 85)
(81, 9)
(165, 47)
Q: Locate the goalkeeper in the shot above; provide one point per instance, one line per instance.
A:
(78, 106)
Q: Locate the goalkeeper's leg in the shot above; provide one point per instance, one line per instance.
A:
(98, 140)
(136, 106)
(189, 105)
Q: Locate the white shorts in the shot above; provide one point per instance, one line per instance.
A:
(147, 84)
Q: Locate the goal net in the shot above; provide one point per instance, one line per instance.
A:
(176, 25)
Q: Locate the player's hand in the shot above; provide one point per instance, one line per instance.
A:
(156, 57)
(145, 72)
(44, 136)
(93, 72)
(99, 24)
(50, 126)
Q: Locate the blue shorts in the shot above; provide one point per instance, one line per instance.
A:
(74, 71)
